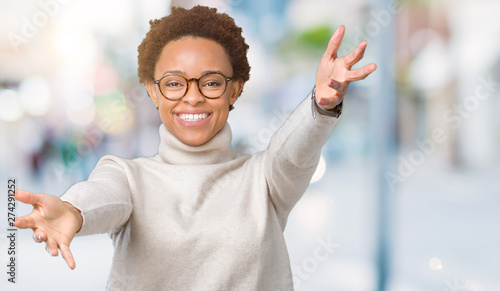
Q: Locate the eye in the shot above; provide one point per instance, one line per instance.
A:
(212, 84)
(173, 84)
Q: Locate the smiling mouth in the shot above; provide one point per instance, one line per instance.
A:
(193, 117)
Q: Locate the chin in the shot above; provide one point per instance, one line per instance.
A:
(194, 140)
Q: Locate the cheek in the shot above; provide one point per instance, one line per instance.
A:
(222, 112)
(165, 110)
(223, 107)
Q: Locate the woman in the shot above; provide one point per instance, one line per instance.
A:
(199, 216)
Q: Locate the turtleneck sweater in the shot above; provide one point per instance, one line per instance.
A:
(205, 217)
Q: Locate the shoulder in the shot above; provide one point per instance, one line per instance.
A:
(113, 159)
(123, 167)
(122, 162)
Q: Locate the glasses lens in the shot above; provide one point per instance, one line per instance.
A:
(212, 85)
(173, 87)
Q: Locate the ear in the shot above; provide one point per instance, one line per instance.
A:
(237, 87)
(153, 92)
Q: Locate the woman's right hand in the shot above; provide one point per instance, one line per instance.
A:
(52, 220)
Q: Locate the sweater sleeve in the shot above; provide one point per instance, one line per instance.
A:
(104, 199)
(293, 155)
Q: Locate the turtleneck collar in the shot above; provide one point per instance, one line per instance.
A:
(217, 150)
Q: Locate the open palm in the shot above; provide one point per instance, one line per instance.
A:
(334, 74)
(52, 221)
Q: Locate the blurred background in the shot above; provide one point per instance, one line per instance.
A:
(406, 196)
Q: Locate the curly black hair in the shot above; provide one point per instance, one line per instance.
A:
(199, 21)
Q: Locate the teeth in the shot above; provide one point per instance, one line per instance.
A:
(193, 117)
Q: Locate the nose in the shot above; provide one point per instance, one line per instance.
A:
(193, 95)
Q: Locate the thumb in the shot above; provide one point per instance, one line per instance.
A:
(27, 197)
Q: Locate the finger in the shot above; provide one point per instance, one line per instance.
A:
(334, 43)
(25, 222)
(339, 87)
(361, 73)
(68, 256)
(51, 247)
(39, 236)
(356, 55)
(329, 103)
(28, 197)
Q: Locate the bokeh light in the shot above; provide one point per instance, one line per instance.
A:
(11, 108)
(314, 211)
(30, 135)
(81, 116)
(78, 93)
(36, 95)
(114, 115)
(320, 170)
(75, 46)
(435, 264)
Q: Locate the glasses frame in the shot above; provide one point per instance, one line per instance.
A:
(188, 82)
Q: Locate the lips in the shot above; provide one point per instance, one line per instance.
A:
(192, 118)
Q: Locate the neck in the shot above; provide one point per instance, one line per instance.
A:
(217, 150)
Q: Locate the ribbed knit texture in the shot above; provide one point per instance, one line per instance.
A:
(203, 218)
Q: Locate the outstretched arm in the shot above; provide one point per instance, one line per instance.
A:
(295, 149)
(53, 221)
(104, 200)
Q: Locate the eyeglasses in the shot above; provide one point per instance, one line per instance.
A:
(211, 85)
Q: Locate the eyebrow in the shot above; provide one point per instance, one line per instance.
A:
(184, 73)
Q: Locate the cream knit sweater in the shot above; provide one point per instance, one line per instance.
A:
(203, 218)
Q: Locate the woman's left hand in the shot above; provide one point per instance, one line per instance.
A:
(334, 74)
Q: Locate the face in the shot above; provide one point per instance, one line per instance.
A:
(192, 57)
